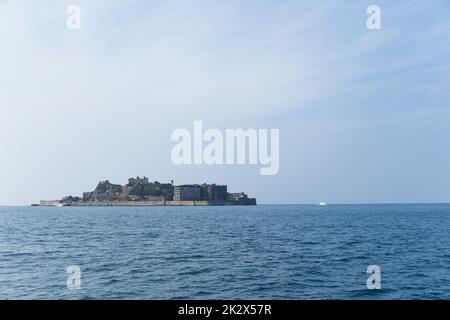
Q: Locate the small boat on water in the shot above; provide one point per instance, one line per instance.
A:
(323, 203)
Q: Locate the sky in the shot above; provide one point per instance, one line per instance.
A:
(364, 115)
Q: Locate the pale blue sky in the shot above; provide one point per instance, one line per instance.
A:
(364, 115)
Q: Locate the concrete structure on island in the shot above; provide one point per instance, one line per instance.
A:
(204, 192)
(141, 192)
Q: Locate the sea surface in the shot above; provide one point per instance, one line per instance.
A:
(248, 252)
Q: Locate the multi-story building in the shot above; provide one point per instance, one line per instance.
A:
(138, 180)
(237, 196)
(204, 192)
(191, 192)
(214, 192)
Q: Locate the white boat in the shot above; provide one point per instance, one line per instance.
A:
(323, 203)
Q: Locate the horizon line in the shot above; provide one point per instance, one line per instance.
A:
(303, 204)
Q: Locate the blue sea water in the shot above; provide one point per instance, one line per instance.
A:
(252, 252)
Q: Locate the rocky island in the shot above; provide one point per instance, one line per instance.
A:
(141, 192)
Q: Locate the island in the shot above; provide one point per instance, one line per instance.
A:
(141, 192)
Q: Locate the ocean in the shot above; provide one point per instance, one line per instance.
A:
(248, 252)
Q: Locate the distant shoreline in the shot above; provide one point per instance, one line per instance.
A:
(141, 192)
(245, 202)
(279, 204)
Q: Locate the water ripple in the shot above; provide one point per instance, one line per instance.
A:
(262, 252)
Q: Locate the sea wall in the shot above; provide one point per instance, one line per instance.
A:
(49, 203)
(118, 203)
(150, 203)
